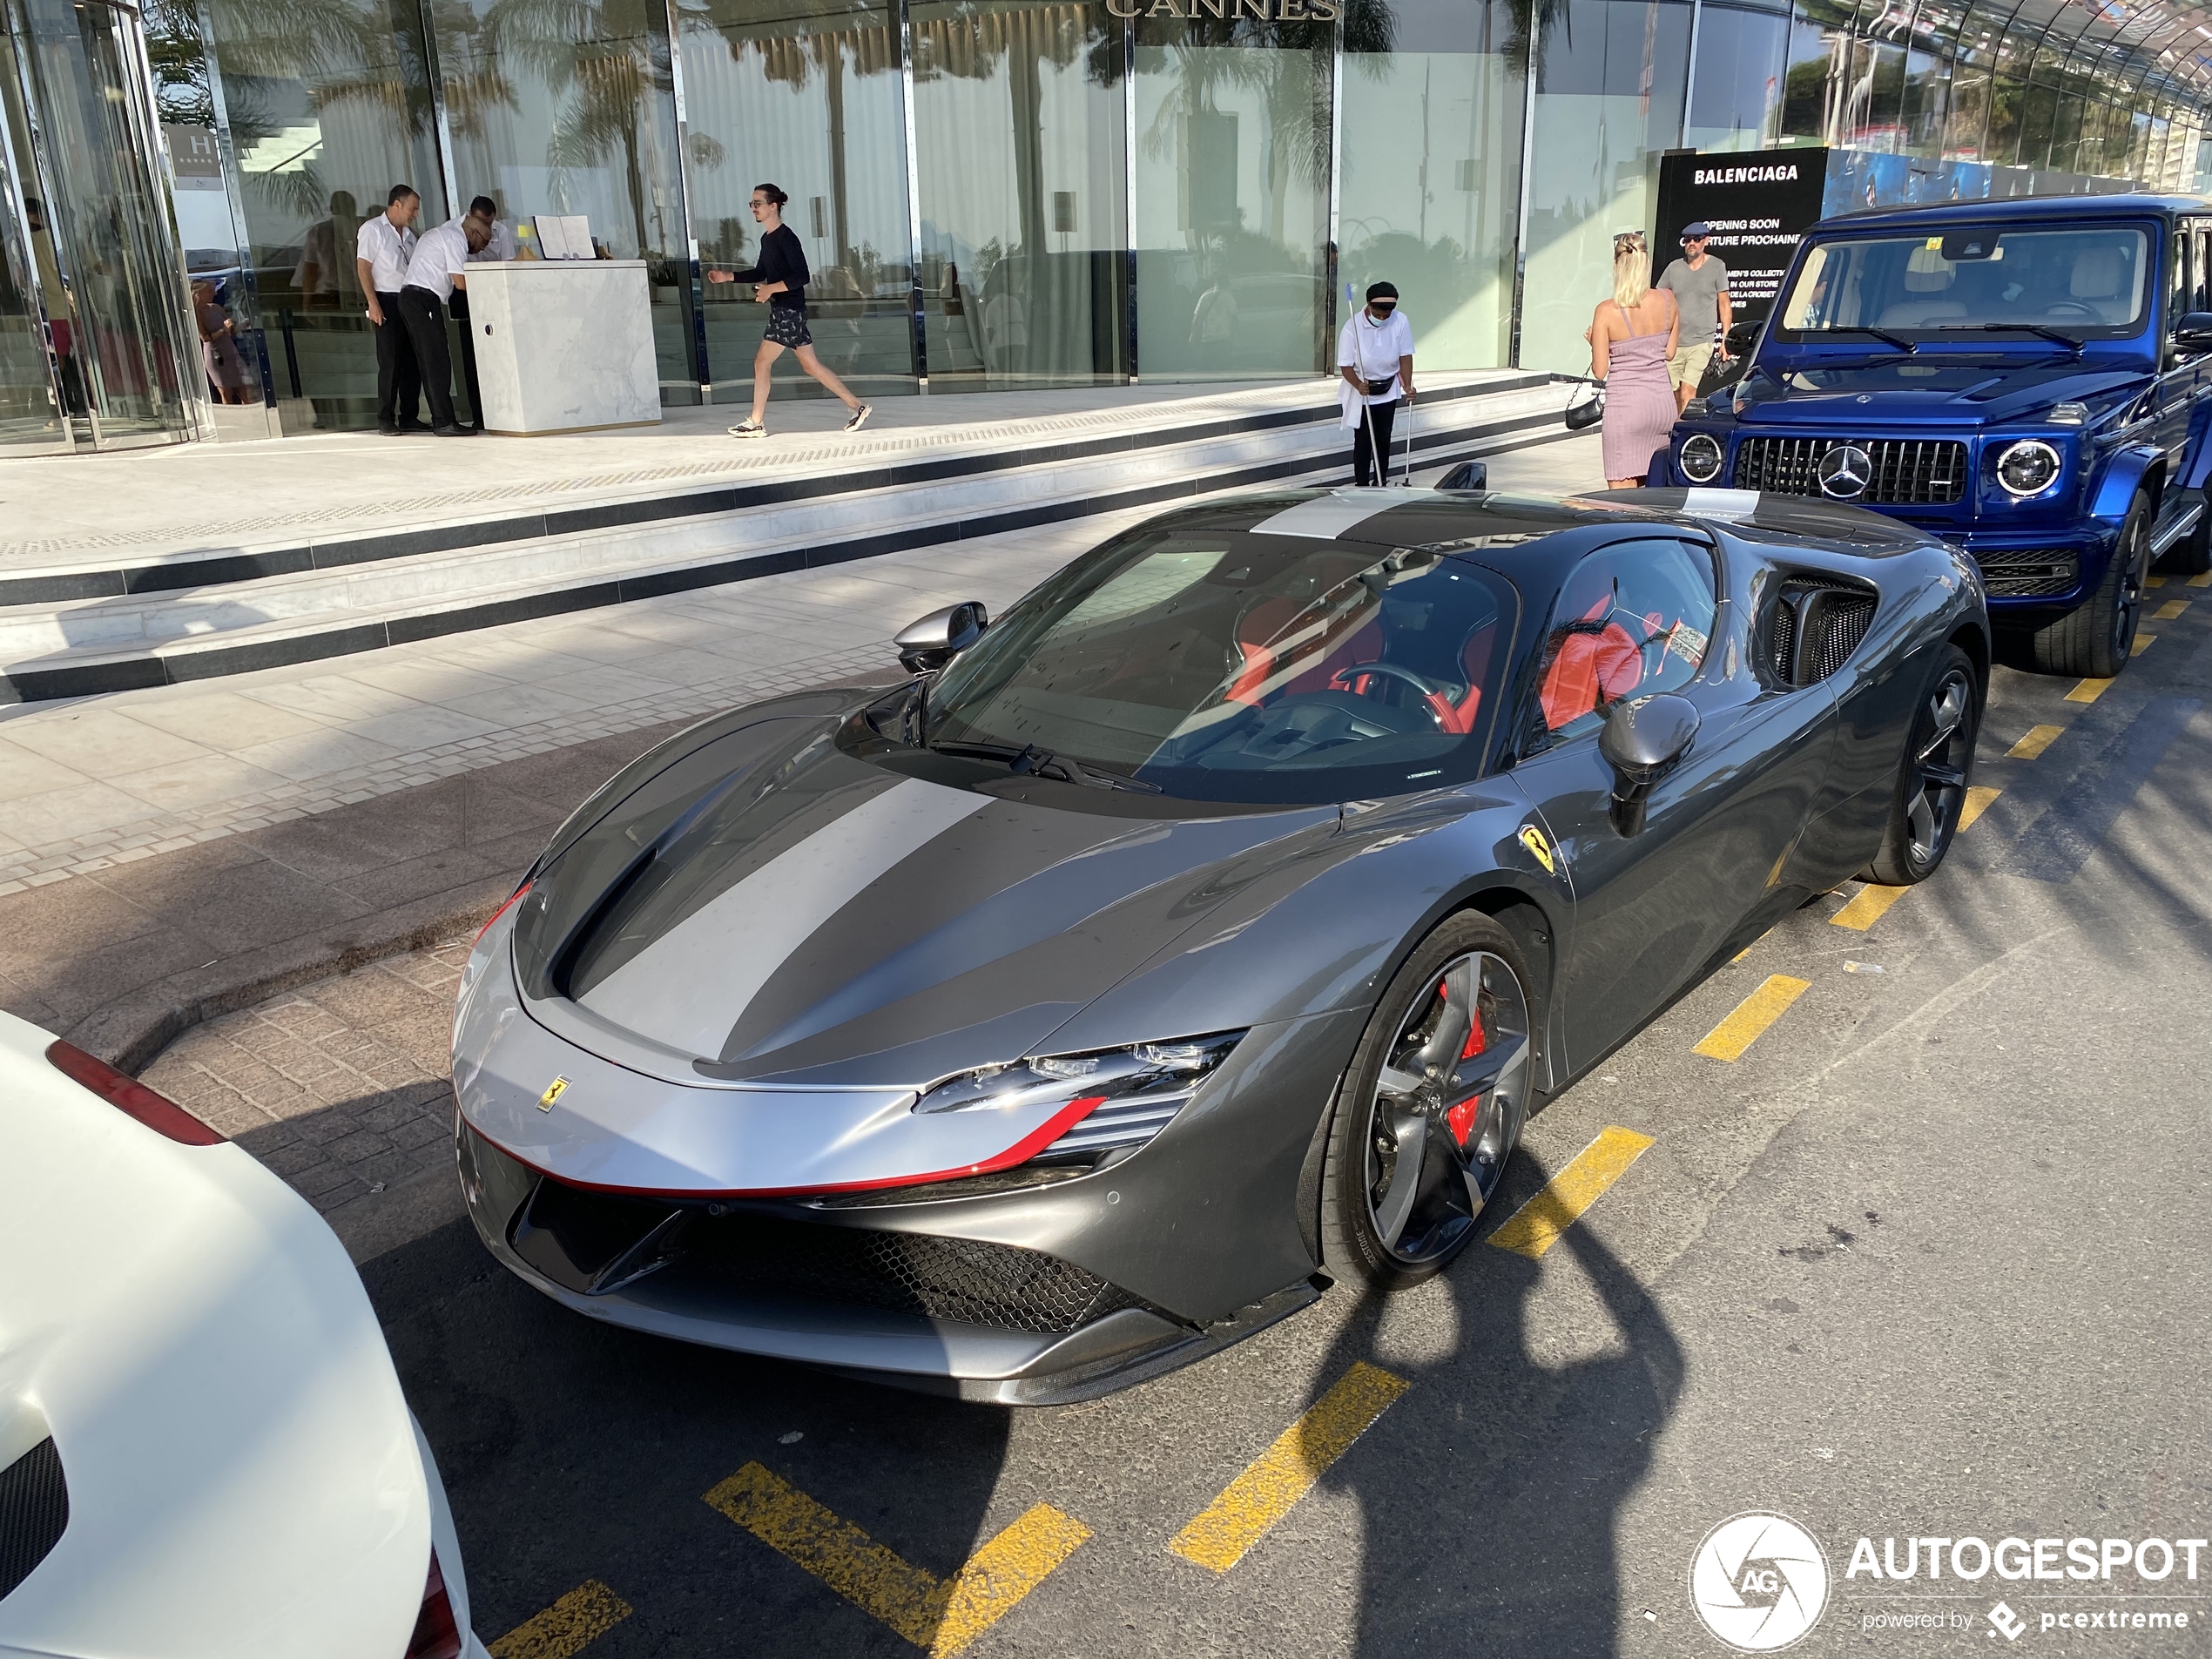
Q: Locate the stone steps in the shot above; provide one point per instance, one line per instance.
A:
(202, 613)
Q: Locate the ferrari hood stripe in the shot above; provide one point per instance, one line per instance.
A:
(688, 987)
(1327, 517)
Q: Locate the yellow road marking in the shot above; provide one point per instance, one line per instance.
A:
(942, 1615)
(2038, 739)
(1220, 1534)
(2088, 690)
(1977, 802)
(2169, 611)
(570, 1625)
(2201, 579)
(1536, 1227)
(2153, 581)
(1728, 1040)
(2143, 642)
(1867, 907)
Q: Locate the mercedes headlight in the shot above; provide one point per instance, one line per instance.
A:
(1701, 458)
(1107, 1101)
(2027, 467)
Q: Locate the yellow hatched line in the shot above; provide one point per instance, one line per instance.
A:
(1220, 1534)
(2143, 642)
(2038, 739)
(1536, 1227)
(1977, 802)
(2201, 579)
(1867, 907)
(941, 1615)
(570, 1625)
(1728, 1040)
(2153, 581)
(2088, 690)
(2169, 611)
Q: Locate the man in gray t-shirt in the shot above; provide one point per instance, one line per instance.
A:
(1699, 283)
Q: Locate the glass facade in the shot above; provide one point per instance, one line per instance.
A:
(992, 194)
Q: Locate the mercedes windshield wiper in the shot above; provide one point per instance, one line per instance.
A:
(2058, 335)
(1882, 335)
(1044, 764)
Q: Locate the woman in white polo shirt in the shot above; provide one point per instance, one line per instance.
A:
(1375, 358)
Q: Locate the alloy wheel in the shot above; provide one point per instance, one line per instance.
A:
(1937, 786)
(2127, 609)
(1446, 1108)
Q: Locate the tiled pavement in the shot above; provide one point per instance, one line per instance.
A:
(340, 1086)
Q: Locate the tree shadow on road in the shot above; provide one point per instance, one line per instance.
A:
(1493, 1496)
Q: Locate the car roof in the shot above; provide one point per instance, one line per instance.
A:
(2016, 209)
(1533, 539)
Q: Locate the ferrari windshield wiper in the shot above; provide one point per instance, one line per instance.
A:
(2056, 335)
(1044, 764)
(1882, 335)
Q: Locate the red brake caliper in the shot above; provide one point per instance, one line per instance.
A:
(1461, 1117)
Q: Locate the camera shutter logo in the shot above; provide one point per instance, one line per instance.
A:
(1758, 1582)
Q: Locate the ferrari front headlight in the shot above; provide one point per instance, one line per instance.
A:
(1132, 1094)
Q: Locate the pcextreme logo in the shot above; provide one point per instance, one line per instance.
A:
(1759, 1581)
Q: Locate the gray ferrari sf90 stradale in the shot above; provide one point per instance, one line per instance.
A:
(1200, 931)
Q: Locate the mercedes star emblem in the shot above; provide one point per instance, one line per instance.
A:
(1844, 472)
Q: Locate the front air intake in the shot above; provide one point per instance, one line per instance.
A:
(34, 1512)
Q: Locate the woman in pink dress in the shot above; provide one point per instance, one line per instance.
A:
(1631, 338)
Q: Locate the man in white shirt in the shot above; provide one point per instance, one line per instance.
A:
(498, 249)
(382, 249)
(501, 250)
(1375, 358)
(440, 258)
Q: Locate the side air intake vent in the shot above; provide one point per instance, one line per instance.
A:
(1817, 624)
(34, 1512)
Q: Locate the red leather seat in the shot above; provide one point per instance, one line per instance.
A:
(1607, 665)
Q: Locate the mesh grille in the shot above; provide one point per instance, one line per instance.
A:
(961, 1279)
(2019, 573)
(1843, 628)
(1785, 639)
(34, 1512)
(1907, 472)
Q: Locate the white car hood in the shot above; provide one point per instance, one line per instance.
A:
(244, 1478)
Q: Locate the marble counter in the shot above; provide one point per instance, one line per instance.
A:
(563, 345)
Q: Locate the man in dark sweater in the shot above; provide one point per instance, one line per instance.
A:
(779, 282)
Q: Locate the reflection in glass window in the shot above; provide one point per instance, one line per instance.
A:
(1232, 197)
(1609, 102)
(1737, 101)
(1017, 137)
(2090, 284)
(1243, 667)
(556, 107)
(1430, 189)
(805, 94)
(329, 107)
(1632, 620)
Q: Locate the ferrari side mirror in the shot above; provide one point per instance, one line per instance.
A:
(927, 646)
(1468, 475)
(1642, 740)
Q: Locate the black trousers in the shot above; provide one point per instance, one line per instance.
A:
(426, 327)
(1365, 443)
(399, 381)
(459, 305)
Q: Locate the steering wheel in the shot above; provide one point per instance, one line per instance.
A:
(1429, 689)
(2069, 309)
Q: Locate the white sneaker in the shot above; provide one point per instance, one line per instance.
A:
(748, 429)
(859, 417)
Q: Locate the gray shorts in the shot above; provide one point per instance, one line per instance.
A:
(788, 328)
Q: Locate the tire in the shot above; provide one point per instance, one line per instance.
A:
(1391, 1225)
(1931, 788)
(2093, 641)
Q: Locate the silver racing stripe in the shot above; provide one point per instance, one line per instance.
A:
(689, 986)
(1326, 518)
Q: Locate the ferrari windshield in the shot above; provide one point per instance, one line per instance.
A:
(2088, 282)
(1239, 667)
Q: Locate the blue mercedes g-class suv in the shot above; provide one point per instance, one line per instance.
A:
(2030, 379)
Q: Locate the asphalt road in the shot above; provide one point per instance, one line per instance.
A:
(1929, 1259)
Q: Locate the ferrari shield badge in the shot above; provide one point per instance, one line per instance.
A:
(559, 1087)
(1533, 838)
